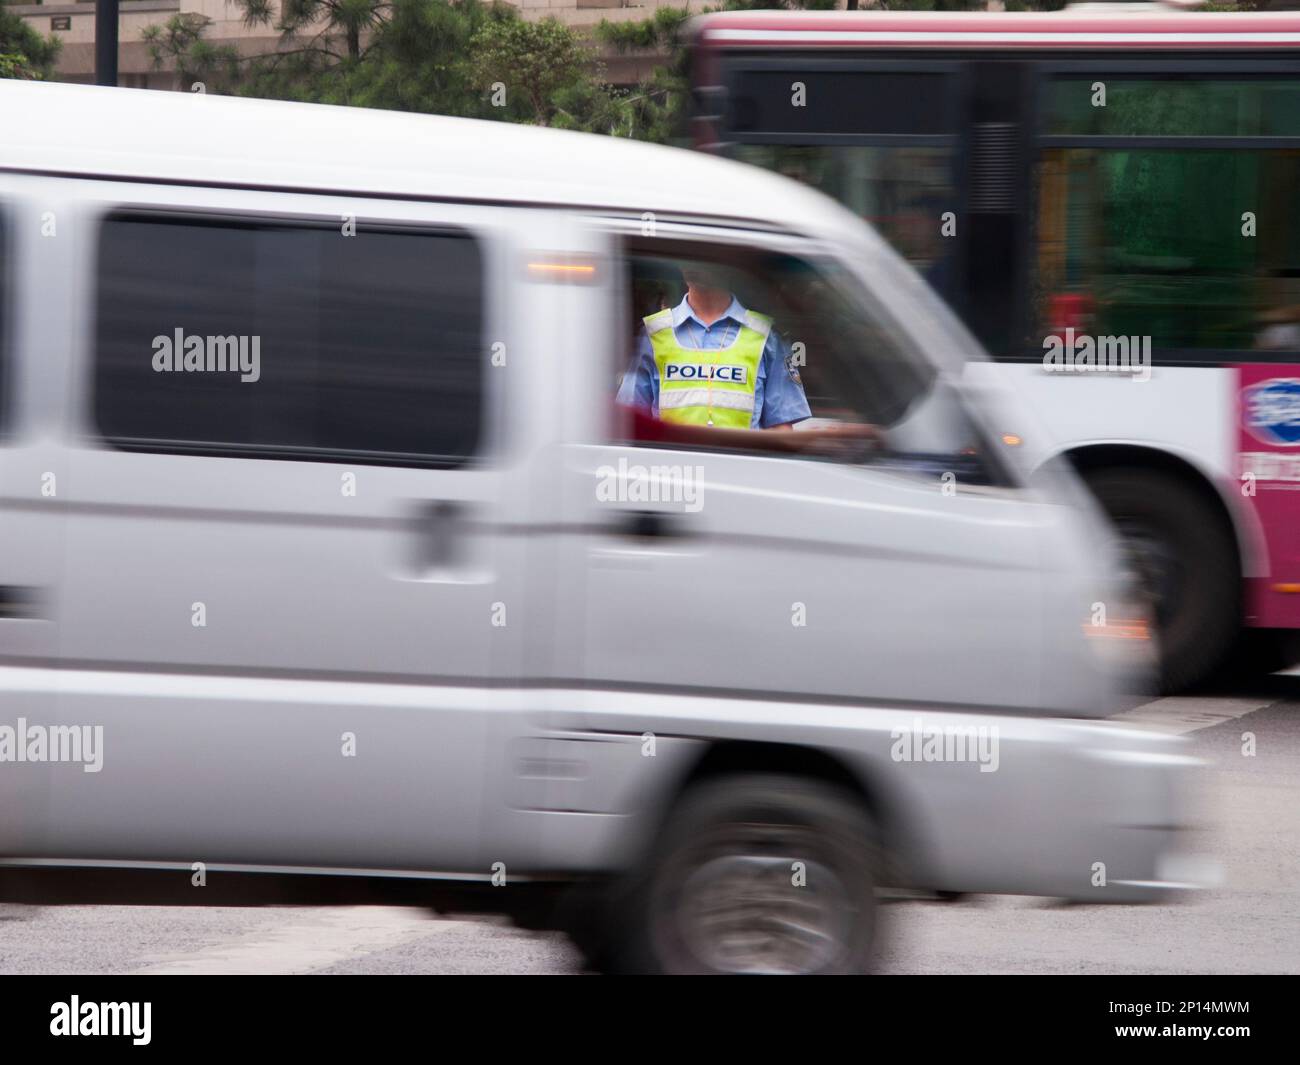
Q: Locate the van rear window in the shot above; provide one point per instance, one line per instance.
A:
(247, 337)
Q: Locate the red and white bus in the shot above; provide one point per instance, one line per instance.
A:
(1109, 196)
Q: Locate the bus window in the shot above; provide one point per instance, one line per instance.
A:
(1190, 242)
(903, 192)
(1153, 107)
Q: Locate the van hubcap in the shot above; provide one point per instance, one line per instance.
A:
(762, 913)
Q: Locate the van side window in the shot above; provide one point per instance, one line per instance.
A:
(218, 335)
(734, 347)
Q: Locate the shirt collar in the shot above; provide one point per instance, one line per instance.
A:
(735, 311)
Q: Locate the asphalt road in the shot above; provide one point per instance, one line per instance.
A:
(1247, 922)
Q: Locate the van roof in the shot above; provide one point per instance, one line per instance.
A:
(196, 138)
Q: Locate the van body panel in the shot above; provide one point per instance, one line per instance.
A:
(807, 577)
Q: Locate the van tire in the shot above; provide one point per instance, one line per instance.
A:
(1196, 638)
(745, 832)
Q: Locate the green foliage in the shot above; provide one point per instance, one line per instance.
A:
(13, 65)
(180, 41)
(341, 27)
(537, 59)
(592, 107)
(436, 56)
(660, 30)
(24, 53)
(657, 109)
(417, 61)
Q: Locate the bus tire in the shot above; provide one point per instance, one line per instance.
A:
(1204, 617)
(741, 859)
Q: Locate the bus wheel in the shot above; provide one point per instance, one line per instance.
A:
(757, 873)
(1184, 559)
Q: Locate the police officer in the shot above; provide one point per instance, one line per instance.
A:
(711, 362)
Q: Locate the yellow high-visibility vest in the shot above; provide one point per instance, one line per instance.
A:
(708, 387)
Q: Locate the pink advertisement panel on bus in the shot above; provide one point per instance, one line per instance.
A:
(1268, 435)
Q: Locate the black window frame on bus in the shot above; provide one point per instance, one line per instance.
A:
(736, 64)
(954, 72)
(1175, 67)
(272, 220)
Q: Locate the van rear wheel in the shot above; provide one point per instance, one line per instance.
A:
(756, 873)
(1185, 562)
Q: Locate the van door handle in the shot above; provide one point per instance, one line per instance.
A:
(448, 542)
(17, 601)
(650, 524)
(441, 526)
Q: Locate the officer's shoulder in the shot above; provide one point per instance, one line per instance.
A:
(760, 323)
(659, 320)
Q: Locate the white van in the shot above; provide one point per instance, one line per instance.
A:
(327, 548)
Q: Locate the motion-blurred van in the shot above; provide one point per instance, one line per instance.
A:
(332, 543)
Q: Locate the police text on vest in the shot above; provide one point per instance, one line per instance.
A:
(686, 371)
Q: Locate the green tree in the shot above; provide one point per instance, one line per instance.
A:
(656, 109)
(179, 42)
(331, 28)
(437, 56)
(420, 61)
(24, 53)
(538, 60)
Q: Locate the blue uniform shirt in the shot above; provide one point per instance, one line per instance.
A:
(778, 395)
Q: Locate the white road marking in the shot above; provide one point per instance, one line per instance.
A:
(317, 939)
(1179, 714)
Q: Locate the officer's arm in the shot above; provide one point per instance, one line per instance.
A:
(783, 401)
(639, 383)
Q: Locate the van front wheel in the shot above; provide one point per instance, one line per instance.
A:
(757, 873)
